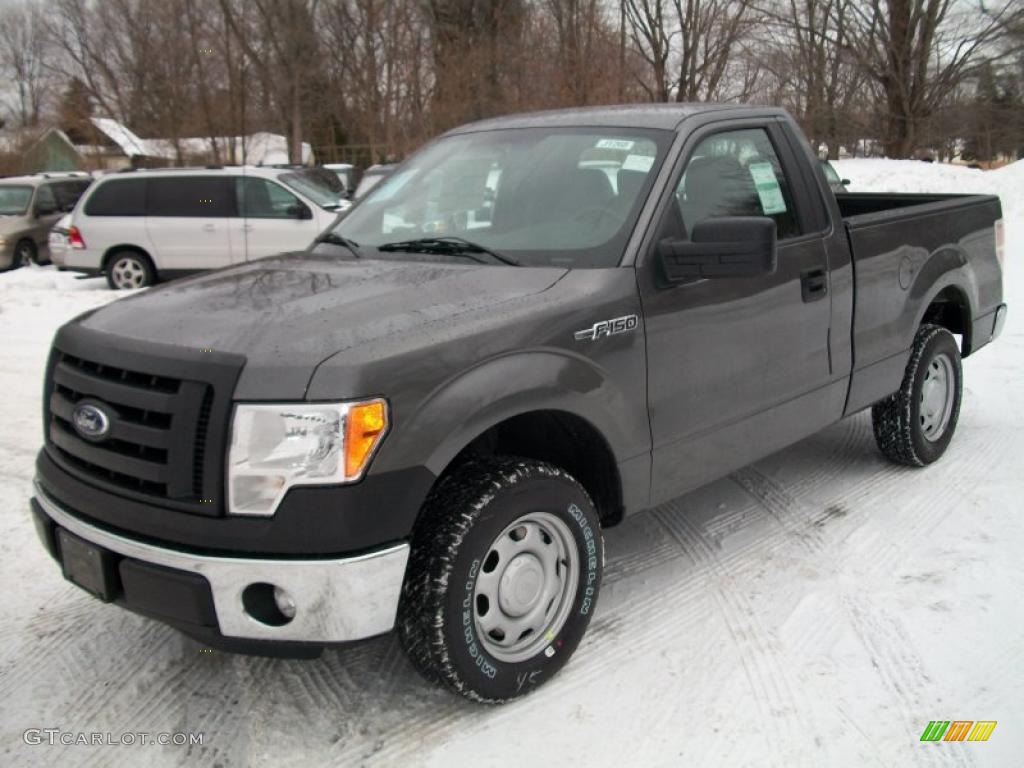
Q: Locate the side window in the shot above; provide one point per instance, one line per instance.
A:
(263, 199)
(190, 196)
(118, 197)
(45, 200)
(68, 192)
(736, 173)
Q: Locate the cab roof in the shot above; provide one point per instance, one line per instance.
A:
(663, 116)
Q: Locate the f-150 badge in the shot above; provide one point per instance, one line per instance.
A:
(608, 328)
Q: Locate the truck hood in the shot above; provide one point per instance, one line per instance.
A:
(288, 313)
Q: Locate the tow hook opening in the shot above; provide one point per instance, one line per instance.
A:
(268, 604)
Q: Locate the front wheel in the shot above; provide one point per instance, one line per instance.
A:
(915, 425)
(503, 578)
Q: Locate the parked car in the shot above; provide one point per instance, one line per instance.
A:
(142, 226)
(405, 427)
(29, 206)
(371, 177)
(835, 183)
(59, 241)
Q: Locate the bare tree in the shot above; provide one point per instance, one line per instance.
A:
(690, 46)
(377, 86)
(805, 49)
(281, 41)
(649, 33)
(23, 53)
(919, 51)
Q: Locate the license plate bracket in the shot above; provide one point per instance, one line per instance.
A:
(87, 566)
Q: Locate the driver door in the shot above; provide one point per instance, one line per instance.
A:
(737, 366)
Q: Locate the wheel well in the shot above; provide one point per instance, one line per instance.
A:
(952, 311)
(118, 248)
(562, 439)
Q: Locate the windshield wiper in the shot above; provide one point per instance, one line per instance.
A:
(333, 238)
(449, 246)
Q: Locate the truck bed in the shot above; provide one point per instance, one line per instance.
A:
(861, 206)
(901, 245)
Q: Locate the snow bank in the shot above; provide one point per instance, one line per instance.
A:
(882, 175)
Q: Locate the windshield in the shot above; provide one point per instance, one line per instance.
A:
(308, 185)
(14, 200)
(542, 196)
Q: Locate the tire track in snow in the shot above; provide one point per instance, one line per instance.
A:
(899, 669)
(617, 569)
(427, 723)
(765, 674)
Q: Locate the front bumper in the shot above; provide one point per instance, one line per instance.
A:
(336, 600)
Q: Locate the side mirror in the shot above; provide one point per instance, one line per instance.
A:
(43, 210)
(299, 211)
(845, 182)
(741, 246)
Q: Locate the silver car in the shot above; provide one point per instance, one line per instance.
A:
(29, 207)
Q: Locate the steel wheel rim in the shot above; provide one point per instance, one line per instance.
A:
(128, 273)
(938, 391)
(525, 587)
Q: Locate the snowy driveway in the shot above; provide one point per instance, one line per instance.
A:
(815, 609)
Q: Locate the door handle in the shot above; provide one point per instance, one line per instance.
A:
(209, 227)
(813, 284)
(247, 227)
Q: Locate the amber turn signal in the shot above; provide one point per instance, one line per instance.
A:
(365, 425)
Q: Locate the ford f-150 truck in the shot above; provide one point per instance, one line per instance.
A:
(536, 325)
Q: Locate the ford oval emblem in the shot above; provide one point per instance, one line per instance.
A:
(91, 421)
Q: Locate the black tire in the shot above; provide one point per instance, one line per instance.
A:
(461, 520)
(24, 253)
(897, 420)
(140, 265)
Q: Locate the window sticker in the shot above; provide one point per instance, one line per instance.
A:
(615, 144)
(637, 163)
(768, 189)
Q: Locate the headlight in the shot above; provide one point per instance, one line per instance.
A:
(274, 447)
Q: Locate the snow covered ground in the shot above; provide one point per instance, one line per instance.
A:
(815, 609)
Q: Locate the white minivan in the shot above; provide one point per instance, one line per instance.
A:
(140, 226)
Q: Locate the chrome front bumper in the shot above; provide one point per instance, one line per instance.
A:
(336, 600)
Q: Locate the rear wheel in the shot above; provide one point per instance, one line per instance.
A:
(503, 578)
(129, 269)
(915, 425)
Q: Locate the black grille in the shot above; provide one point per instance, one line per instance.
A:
(199, 447)
(166, 431)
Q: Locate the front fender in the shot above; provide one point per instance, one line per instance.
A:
(513, 384)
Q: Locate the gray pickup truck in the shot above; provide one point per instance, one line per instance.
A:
(536, 325)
